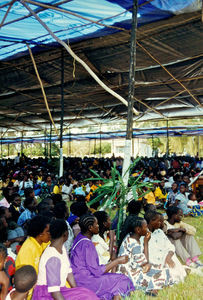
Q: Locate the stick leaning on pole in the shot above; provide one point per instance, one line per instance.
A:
(88, 69)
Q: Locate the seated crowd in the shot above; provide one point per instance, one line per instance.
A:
(47, 252)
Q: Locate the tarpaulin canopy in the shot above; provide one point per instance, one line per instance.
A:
(137, 133)
(169, 35)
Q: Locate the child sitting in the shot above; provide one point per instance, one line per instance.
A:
(197, 208)
(24, 279)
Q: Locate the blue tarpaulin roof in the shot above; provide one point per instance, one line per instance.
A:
(20, 28)
(110, 135)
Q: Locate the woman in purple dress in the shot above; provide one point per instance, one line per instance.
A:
(54, 270)
(86, 269)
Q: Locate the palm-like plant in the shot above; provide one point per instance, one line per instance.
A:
(113, 191)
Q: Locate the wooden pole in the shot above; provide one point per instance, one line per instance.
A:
(21, 150)
(62, 114)
(69, 143)
(1, 147)
(100, 143)
(129, 130)
(167, 140)
(50, 137)
(8, 150)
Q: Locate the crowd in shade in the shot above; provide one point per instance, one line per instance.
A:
(56, 244)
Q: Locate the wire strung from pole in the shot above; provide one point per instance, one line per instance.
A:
(42, 88)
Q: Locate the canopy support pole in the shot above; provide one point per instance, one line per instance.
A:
(89, 147)
(45, 143)
(62, 114)
(21, 150)
(1, 147)
(153, 148)
(129, 130)
(50, 137)
(167, 140)
(100, 145)
(95, 146)
(198, 148)
(69, 142)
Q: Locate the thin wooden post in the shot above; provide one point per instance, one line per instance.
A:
(167, 140)
(21, 149)
(95, 147)
(69, 143)
(129, 130)
(50, 138)
(100, 143)
(1, 147)
(62, 114)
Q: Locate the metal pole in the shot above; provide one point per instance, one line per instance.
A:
(129, 130)
(62, 114)
(8, 150)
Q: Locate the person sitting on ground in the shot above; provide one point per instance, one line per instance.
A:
(15, 206)
(61, 212)
(4, 280)
(149, 197)
(24, 279)
(54, 270)
(197, 208)
(104, 241)
(15, 233)
(182, 200)
(77, 209)
(7, 195)
(30, 205)
(171, 197)
(47, 187)
(144, 275)
(24, 184)
(37, 241)
(148, 207)
(87, 270)
(160, 192)
(161, 250)
(134, 207)
(182, 236)
(58, 187)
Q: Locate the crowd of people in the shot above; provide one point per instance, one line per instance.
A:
(54, 245)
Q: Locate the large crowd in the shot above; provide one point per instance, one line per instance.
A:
(55, 244)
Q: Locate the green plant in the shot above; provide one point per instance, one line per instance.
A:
(113, 192)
